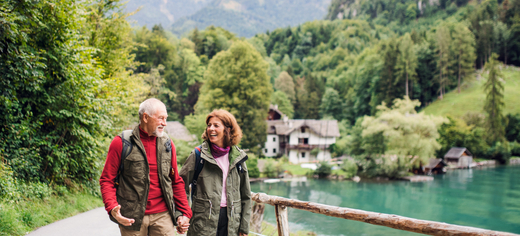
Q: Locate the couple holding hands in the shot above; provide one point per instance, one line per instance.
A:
(144, 192)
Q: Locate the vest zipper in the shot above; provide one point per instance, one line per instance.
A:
(210, 207)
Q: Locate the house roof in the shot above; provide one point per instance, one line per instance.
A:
(176, 130)
(275, 109)
(324, 128)
(434, 162)
(456, 152)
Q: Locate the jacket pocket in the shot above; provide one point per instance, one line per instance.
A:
(201, 220)
(134, 168)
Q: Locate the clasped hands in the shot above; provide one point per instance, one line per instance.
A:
(183, 222)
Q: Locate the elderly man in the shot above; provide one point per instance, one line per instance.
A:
(148, 193)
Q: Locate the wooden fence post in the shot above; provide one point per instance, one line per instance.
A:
(282, 220)
(257, 216)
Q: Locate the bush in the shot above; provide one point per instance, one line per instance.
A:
(350, 167)
(500, 152)
(272, 168)
(390, 166)
(252, 166)
(515, 148)
(324, 169)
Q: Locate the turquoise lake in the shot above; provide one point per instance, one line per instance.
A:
(485, 198)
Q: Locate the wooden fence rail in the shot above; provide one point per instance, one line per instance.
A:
(392, 221)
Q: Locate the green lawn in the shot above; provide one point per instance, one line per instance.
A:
(472, 97)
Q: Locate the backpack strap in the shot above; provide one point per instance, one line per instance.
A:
(199, 164)
(127, 149)
(239, 165)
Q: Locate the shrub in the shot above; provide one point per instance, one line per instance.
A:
(390, 166)
(515, 148)
(272, 168)
(252, 166)
(500, 152)
(350, 167)
(324, 169)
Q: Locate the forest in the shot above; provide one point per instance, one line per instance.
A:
(74, 72)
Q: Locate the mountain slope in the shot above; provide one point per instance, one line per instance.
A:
(163, 12)
(249, 17)
(471, 99)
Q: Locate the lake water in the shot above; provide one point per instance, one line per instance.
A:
(484, 198)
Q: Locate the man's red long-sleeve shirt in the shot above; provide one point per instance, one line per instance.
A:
(155, 203)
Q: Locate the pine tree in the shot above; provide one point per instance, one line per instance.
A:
(406, 61)
(464, 49)
(494, 89)
(443, 44)
(285, 83)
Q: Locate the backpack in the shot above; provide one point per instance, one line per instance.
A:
(199, 164)
(127, 149)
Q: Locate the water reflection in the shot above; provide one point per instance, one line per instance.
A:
(479, 198)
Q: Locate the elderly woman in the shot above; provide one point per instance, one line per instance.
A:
(221, 201)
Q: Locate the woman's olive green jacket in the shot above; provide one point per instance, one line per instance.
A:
(206, 201)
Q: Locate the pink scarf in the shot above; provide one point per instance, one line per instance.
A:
(217, 151)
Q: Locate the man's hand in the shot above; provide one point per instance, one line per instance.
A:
(116, 213)
(242, 234)
(183, 223)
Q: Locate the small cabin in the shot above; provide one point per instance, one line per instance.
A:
(436, 166)
(459, 157)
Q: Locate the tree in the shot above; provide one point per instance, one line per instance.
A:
(52, 120)
(443, 45)
(236, 80)
(331, 104)
(464, 48)
(404, 131)
(406, 61)
(284, 104)
(456, 133)
(153, 49)
(494, 104)
(285, 83)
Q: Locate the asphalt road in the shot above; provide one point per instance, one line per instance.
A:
(90, 223)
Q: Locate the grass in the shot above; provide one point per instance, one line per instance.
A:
(472, 97)
(22, 217)
(295, 170)
(271, 230)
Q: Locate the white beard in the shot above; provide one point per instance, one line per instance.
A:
(158, 133)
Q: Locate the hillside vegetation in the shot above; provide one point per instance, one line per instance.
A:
(472, 97)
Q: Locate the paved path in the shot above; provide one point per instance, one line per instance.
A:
(91, 223)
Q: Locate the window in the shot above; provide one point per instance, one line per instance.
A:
(274, 150)
(303, 154)
(265, 150)
(302, 129)
(274, 139)
(303, 141)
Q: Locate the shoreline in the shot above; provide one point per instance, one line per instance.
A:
(414, 178)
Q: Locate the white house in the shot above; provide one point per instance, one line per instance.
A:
(298, 138)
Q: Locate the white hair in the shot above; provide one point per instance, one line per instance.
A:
(150, 106)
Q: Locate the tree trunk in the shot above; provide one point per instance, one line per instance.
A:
(407, 84)
(459, 71)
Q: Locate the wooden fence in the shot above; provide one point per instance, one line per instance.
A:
(392, 221)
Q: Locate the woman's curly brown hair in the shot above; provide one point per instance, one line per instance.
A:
(232, 132)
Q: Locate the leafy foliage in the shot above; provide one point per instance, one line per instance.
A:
(236, 80)
(403, 131)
